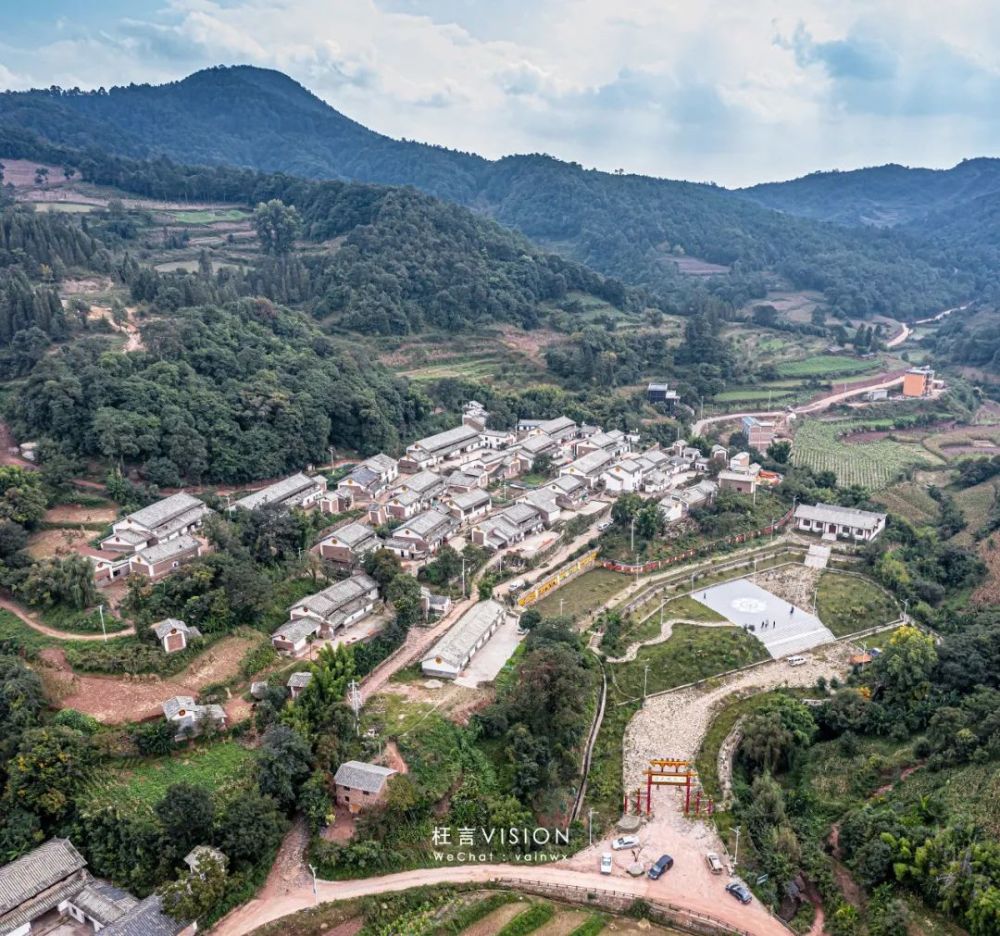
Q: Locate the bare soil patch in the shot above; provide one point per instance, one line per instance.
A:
(47, 543)
(21, 173)
(117, 699)
(531, 344)
(563, 923)
(347, 928)
(988, 593)
(794, 583)
(79, 513)
(492, 923)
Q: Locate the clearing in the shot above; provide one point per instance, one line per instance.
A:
(583, 594)
(851, 603)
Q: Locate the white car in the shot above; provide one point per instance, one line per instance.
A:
(606, 863)
(625, 841)
(796, 661)
(604, 525)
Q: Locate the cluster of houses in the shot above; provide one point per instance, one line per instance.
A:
(49, 889)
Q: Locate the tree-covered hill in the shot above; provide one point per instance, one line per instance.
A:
(631, 227)
(883, 196)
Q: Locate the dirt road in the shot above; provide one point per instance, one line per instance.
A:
(683, 887)
(8, 604)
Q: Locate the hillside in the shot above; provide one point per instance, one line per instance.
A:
(881, 196)
(628, 226)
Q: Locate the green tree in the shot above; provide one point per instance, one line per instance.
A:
(905, 666)
(250, 829)
(198, 891)
(283, 765)
(780, 451)
(49, 771)
(186, 813)
(277, 225)
(68, 581)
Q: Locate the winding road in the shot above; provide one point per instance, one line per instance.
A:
(14, 608)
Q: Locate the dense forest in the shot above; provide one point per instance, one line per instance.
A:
(627, 226)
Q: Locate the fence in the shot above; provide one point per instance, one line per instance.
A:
(586, 561)
(655, 564)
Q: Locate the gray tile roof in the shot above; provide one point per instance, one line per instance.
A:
(430, 524)
(382, 463)
(176, 704)
(327, 602)
(104, 902)
(289, 491)
(457, 644)
(471, 499)
(848, 516)
(357, 775)
(165, 510)
(146, 918)
(590, 463)
(297, 629)
(559, 424)
(351, 534)
(364, 476)
(170, 549)
(167, 626)
(449, 439)
(422, 482)
(39, 869)
(538, 443)
(300, 680)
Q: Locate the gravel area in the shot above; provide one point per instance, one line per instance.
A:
(796, 584)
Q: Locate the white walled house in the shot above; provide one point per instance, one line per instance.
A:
(839, 522)
(452, 653)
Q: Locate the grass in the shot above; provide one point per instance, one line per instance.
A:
(688, 607)
(209, 215)
(691, 653)
(17, 637)
(604, 782)
(73, 620)
(826, 365)
(583, 594)
(975, 503)
(874, 465)
(752, 395)
(223, 767)
(593, 925)
(847, 604)
(909, 499)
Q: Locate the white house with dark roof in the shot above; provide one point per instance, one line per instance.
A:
(545, 500)
(588, 468)
(422, 536)
(189, 718)
(834, 522)
(359, 487)
(359, 785)
(154, 562)
(436, 448)
(384, 465)
(173, 634)
(560, 428)
(572, 492)
(403, 504)
(469, 506)
(167, 519)
(496, 532)
(427, 484)
(349, 544)
(622, 477)
(299, 490)
(452, 653)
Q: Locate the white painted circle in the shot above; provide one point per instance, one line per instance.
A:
(749, 605)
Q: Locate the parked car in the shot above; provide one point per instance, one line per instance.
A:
(625, 841)
(714, 863)
(740, 891)
(796, 661)
(606, 863)
(663, 863)
(604, 525)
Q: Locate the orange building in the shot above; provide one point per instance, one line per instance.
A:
(917, 382)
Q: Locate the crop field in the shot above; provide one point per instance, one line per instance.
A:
(224, 766)
(583, 594)
(753, 395)
(826, 365)
(209, 215)
(965, 442)
(483, 366)
(64, 207)
(909, 499)
(874, 465)
(975, 503)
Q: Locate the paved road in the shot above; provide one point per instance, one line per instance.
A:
(14, 608)
(901, 337)
(671, 887)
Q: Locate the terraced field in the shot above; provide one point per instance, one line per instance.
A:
(827, 365)
(874, 465)
(909, 499)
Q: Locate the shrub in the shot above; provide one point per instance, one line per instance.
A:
(71, 718)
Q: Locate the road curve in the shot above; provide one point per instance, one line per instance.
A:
(754, 918)
(14, 608)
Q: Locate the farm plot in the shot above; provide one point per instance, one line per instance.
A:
(818, 445)
(909, 499)
(827, 365)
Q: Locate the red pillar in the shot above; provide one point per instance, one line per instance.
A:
(649, 792)
(697, 803)
(687, 795)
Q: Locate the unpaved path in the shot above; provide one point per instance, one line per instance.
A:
(118, 699)
(685, 887)
(666, 629)
(8, 604)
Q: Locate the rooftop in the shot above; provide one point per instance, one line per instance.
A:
(430, 522)
(296, 629)
(446, 439)
(351, 534)
(422, 481)
(590, 463)
(369, 778)
(163, 511)
(168, 626)
(146, 918)
(848, 516)
(39, 869)
(167, 549)
(296, 486)
(325, 603)
(456, 645)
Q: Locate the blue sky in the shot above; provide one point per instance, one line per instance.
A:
(718, 90)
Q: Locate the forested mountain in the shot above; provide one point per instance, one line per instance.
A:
(628, 226)
(883, 196)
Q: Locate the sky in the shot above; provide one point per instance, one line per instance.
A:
(727, 91)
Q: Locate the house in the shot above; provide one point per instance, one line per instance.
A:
(918, 382)
(452, 653)
(546, 502)
(742, 482)
(427, 485)
(349, 544)
(588, 468)
(358, 785)
(498, 438)
(49, 889)
(524, 517)
(189, 718)
(536, 445)
(571, 492)
(299, 491)
(422, 536)
(719, 453)
(655, 482)
(560, 428)
(107, 566)
(433, 605)
(614, 443)
(839, 522)
(672, 509)
(402, 505)
(297, 682)
(624, 476)
(361, 486)
(661, 393)
(469, 479)
(474, 414)
(698, 495)
(427, 452)
(154, 562)
(759, 432)
(386, 467)
(167, 519)
(174, 634)
(496, 532)
(327, 612)
(470, 505)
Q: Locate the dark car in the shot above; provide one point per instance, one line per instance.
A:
(739, 891)
(664, 863)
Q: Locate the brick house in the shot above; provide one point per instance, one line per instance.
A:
(174, 634)
(154, 562)
(359, 785)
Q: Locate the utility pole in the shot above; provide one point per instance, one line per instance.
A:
(312, 868)
(100, 611)
(332, 459)
(463, 577)
(645, 677)
(736, 853)
(356, 705)
(561, 600)
(632, 543)
(590, 825)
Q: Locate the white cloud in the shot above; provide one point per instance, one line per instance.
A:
(713, 90)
